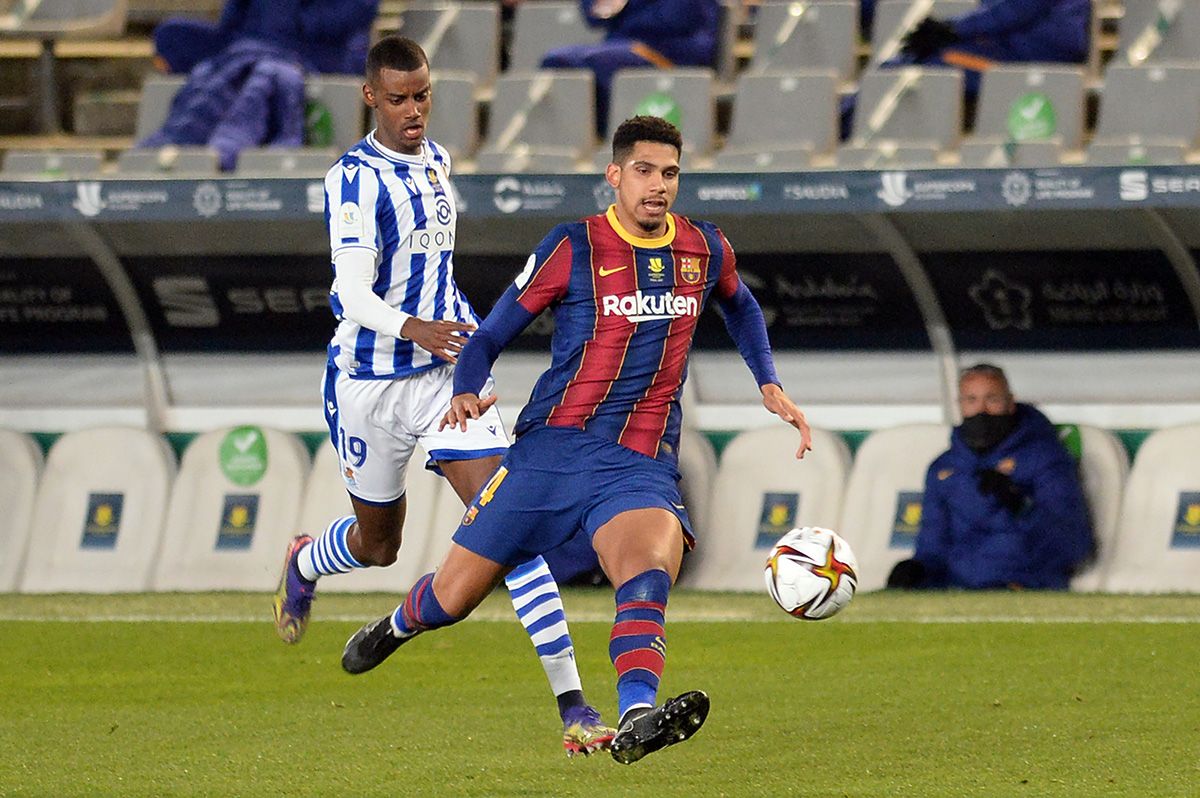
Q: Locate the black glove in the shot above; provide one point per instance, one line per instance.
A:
(1002, 488)
(906, 575)
(927, 38)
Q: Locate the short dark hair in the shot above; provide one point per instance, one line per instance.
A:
(643, 128)
(986, 370)
(395, 52)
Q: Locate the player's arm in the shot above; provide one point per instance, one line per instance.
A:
(744, 320)
(542, 282)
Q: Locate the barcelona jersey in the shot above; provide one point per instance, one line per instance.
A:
(625, 311)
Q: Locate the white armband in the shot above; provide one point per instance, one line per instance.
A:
(354, 270)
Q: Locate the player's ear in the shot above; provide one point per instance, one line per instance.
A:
(368, 95)
(613, 175)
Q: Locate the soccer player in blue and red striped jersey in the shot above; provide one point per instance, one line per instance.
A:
(597, 443)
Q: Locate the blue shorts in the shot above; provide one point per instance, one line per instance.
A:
(556, 481)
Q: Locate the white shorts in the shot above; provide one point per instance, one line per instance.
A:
(376, 424)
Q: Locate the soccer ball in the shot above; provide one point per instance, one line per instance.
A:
(811, 573)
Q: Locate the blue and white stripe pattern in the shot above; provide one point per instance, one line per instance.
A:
(329, 553)
(538, 604)
(401, 208)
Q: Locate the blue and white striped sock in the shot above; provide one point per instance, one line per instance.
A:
(329, 553)
(536, 599)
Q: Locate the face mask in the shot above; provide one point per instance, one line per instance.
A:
(983, 432)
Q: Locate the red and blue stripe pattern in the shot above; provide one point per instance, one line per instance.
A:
(638, 644)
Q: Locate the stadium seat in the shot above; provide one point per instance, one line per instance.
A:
(52, 164)
(542, 26)
(806, 36)
(48, 20)
(1149, 106)
(98, 519)
(325, 499)
(464, 37)
(894, 18)
(1103, 469)
(1047, 103)
(454, 120)
(541, 122)
(1143, 38)
(341, 96)
(286, 161)
(887, 155)
(155, 103)
(168, 162)
(884, 495)
(688, 91)
(779, 120)
(912, 106)
(761, 492)
(234, 507)
(1157, 548)
(1100, 153)
(20, 467)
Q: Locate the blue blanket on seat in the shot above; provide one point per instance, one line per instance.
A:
(248, 95)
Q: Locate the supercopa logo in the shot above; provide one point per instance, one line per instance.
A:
(894, 189)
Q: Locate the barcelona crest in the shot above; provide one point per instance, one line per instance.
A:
(689, 270)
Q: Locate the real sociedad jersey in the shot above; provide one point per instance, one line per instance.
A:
(626, 310)
(401, 208)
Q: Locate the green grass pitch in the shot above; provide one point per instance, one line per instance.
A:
(1007, 694)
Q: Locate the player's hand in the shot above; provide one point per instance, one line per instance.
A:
(464, 406)
(775, 400)
(444, 339)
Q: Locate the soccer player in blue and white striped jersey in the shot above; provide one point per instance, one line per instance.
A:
(401, 324)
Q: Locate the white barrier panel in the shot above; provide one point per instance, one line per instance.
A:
(697, 473)
(1103, 469)
(20, 467)
(326, 499)
(885, 495)
(1158, 538)
(234, 507)
(761, 492)
(98, 518)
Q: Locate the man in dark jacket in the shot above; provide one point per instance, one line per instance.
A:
(1002, 31)
(640, 33)
(1003, 506)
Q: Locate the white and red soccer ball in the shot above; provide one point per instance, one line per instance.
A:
(811, 573)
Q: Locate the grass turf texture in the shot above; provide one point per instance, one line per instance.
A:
(916, 695)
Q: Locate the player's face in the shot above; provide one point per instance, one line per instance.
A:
(646, 183)
(402, 101)
(984, 393)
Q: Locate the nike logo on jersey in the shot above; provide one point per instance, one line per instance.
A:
(605, 272)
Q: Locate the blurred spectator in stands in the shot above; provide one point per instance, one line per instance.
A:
(1002, 31)
(640, 33)
(327, 35)
(245, 83)
(998, 31)
(866, 18)
(1003, 506)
